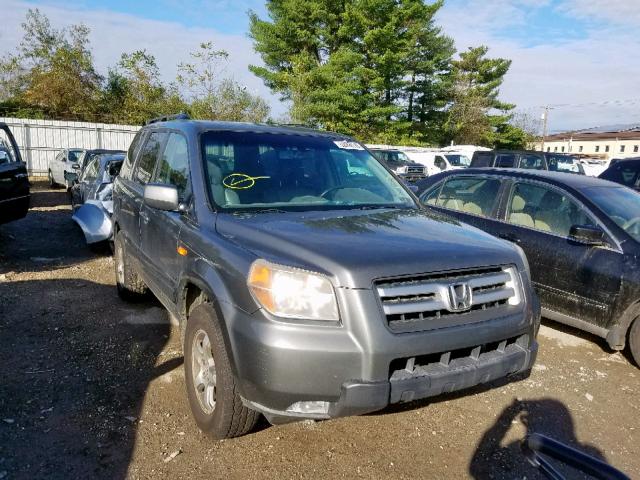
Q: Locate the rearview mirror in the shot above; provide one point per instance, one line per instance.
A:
(162, 197)
(587, 234)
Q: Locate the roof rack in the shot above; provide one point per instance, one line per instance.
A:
(167, 118)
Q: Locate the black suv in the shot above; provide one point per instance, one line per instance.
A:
(14, 181)
(529, 160)
(400, 164)
(308, 281)
(625, 172)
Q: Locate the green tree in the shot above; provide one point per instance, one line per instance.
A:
(476, 115)
(214, 96)
(363, 67)
(53, 70)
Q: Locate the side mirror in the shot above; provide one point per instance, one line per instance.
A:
(413, 188)
(587, 235)
(76, 166)
(162, 197)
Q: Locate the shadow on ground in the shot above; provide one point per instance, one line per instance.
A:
(74, 376)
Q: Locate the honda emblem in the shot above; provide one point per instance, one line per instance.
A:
(460, 297)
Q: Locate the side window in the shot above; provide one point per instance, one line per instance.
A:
(531, 162)
(482, 159)
(476, 195)
(440, 163)
(506, 160)
(148, 157)
(91, 172)
(173, 168)
(545, 209)
(134, 148)
(431, 197)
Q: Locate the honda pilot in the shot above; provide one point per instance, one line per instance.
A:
(308, 282)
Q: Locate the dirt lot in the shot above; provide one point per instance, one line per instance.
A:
(92, 387)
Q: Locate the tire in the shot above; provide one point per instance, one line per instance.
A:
(52, 183)
(204, 345)
(130, 286)
(634, 340)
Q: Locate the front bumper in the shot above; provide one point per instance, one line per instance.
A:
(361, 366)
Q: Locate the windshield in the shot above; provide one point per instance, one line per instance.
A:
(620, 204)
(458, 160)
(284, 171)
(74, 155)
(564, 163)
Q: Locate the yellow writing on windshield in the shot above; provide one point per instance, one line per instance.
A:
(240, 181)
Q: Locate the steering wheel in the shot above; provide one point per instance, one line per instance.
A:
(330, 190)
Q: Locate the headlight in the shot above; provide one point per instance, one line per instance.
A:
(292, 293)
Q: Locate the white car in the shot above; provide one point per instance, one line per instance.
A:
(437, 162)
(65, 162)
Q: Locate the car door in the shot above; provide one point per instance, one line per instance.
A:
(55, 167)
(160, 229)
(571, 278)
(131, 191)
(472, 199)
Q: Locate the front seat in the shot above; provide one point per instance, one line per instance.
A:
(517, 215)
(553, 214)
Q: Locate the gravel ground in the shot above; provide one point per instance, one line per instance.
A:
(92, 387)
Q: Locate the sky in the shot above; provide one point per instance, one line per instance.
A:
(580, 57)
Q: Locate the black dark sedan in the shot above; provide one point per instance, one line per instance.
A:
(581, 236)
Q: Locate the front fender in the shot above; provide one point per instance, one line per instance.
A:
(617, 336)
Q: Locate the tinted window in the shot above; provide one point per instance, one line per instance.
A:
(620, 204)
(134, 148)
(563, 163)
(531, 162)
(174, 164)
(545, 209)
(74, 155)
(624, 173)
(505, 160)
(262, 170)
(440, 162)
(482, 159)
(475, 195)
(149, 157)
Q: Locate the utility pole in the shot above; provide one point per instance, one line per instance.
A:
(545, 119)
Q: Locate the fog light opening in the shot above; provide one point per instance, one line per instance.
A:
(310, 407)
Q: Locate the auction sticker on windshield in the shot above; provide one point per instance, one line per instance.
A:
(346, 145)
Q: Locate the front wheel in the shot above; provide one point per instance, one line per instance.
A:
(212, 390)
(634, 340)
(52, 183)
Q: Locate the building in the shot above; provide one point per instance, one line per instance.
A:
(617, 141)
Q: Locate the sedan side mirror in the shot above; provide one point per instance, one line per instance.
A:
(587, 234)
(162, 197)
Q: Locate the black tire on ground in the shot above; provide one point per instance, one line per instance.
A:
(130, 286)
(229, 417)
(634, 340)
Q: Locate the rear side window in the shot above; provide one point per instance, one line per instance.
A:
(134, 148)
(475, 195)
(506, 160)
(482, 159)
(531, 162)
(173, 168)
(149, 157)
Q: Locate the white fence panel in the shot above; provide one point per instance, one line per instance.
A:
(40, 140)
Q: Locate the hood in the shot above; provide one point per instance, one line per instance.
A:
(355, 247)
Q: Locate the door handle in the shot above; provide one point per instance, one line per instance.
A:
(509, 237)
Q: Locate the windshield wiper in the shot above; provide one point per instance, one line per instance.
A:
(262, 210)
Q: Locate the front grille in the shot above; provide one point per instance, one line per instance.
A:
(418, 170)
(429, 298)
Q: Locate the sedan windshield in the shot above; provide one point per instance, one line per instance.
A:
(297, 172)
(620, 204)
